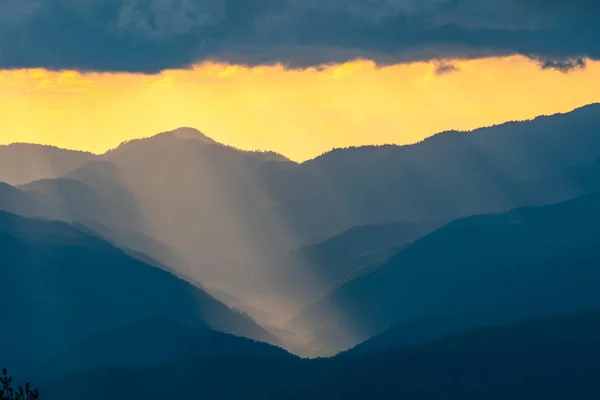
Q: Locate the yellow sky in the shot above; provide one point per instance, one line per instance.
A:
(299, 113)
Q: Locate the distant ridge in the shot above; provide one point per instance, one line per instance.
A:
(44, 146)
(22, 163)
(578, 110)
(390, 147)
(189, 133)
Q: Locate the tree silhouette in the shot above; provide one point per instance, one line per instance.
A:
(7, 392)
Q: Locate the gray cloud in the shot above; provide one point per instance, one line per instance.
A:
(151, 35)
(444, 68)
(563, 65)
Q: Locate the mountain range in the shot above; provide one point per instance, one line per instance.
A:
(398, 244)
(525, 262)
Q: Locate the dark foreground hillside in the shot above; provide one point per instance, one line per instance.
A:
(63, 285)
(550, 358)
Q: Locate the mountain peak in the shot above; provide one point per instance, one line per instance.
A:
(187, 133)
(173, 136)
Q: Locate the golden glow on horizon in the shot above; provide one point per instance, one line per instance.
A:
(299, 113)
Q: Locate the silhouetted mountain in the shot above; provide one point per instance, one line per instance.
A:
(447, 176)
(21, 163)
(344, 254)
(222, 216)
(16, 201)
(192, 137)
(150, 342)
(342, 257)
(74, 199)
(207, 203)
(249, 211)
(106, 211)
(63, 284)
(94, 196)
(551, 358)
(474, 271)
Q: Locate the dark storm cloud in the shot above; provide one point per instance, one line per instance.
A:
(150, 35)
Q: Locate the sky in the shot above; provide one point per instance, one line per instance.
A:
(294, 76)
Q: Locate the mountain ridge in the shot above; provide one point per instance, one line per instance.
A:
(190, 133)
(25, 162)
(148, 342)
(227, 218)
(434, 277)
(63, 284)
(552, 357)
(449, 132)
